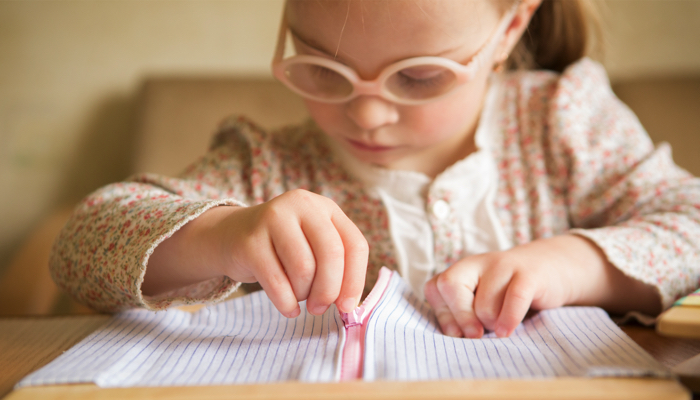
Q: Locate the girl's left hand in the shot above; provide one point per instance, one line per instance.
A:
(495, 290)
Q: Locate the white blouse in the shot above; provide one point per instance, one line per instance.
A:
(472, 184)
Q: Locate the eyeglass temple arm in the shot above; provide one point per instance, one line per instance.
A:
(281, 38)
(504, 25)
(492, 43)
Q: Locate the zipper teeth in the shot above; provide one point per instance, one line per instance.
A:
(351, 366)
(377, 291)
(355, 325)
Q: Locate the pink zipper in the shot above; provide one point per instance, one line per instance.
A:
(355, 327)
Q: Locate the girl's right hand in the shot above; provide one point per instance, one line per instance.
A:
(298, 246)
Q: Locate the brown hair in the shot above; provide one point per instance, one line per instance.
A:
(560, 33)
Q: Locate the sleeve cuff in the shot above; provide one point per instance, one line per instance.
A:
(212, 290)
(620, 255)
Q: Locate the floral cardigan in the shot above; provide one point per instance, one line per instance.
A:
(570, 157)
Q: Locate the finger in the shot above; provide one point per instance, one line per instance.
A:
(442, 311)
(296, 257)
(355, 262)
(457, 285)
(517, 302)
(489, 296)
(274, 282)
(329, 254)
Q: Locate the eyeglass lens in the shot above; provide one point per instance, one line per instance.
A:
(421, 82)
(416, 83)
(318, 81)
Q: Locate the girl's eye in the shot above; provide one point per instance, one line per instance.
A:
(423, 72)
(409, 81)
(421, 82)
(423, 76)
(320, 72)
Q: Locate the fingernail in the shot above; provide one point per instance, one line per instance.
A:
(453, 331)
(293, 314)
(318, 310)
(501, 332)
(348, 305)
(471, 332)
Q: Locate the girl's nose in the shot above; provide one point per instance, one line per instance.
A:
(371, 112)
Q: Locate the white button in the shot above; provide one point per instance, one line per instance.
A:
(441, 209)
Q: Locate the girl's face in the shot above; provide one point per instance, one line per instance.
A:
(369, 35)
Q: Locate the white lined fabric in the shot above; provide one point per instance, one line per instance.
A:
(244, 340)
(403, 342)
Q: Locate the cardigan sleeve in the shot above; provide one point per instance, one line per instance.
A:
(624, 194)
(101, 254)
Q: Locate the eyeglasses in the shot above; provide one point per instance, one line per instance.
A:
(413, 81)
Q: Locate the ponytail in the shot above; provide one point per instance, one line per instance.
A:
(560, 33)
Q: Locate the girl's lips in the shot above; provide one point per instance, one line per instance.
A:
(369, 147)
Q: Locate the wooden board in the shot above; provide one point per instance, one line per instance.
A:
(689, 373)
(569, 388)
(680, 321)
(27, 344)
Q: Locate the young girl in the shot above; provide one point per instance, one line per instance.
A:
(491, 192)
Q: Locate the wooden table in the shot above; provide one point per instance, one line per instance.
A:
(26, 344)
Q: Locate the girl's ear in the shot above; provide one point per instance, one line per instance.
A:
(525, 10)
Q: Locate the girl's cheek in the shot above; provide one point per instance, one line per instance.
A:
(327, 116)
(457, 112)
(322, 114)
(441, 118)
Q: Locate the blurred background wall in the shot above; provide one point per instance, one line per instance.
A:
(70, 73)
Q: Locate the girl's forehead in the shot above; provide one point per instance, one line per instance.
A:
(353, 29)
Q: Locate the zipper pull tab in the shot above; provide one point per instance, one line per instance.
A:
(353, 318)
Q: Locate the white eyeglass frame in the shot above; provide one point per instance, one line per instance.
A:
(376, 87)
